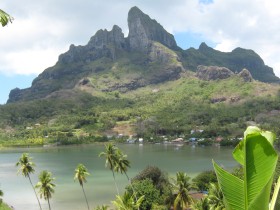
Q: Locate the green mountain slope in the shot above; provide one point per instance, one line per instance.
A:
(221, 107)
(143, 84)
(149, 55)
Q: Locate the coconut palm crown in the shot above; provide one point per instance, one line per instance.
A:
(80, 174)
(26, 168)
(45, 186)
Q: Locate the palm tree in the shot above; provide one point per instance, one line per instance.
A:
(122, 163)
(126, 202)
(26, 168)
(121, 166)
(45, 185)
(80, 174)
(182, 199)
(215, 197)
(111, 159)
(103, 207)
(201, 204)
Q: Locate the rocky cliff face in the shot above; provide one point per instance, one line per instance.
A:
(236, 60)
(213, 72)
(143, 30)
(245, 75)
(103, 38)
(103, 43)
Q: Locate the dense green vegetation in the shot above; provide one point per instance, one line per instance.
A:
(172, 109)
(258, 159)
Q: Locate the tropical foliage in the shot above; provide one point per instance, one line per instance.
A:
(127, 202)
(111, 156)
(158, 187)
(26, 167)
(5, 18)
(103, 207)
(46, 186)
(201, 204)
(179, 107)
(183, 199)
(148, 190)
(258, 158)
(202, 180)
(80, 174)
(215, 197)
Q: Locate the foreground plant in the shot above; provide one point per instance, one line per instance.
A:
(5, 18)
(46, 186)
(201, 204)
(183, 199)
(103, 207)
(215, 197)
(80, 174)
(127, 202)
(258, 159)
(26, 168)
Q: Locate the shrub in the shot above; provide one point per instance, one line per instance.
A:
(203, 180)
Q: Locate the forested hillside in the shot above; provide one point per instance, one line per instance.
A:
(142, 85)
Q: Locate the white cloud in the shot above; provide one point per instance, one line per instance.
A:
(29, 61)
(44, 29)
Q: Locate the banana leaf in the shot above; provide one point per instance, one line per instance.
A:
(258, 158)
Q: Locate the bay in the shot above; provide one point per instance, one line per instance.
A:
(100, 188)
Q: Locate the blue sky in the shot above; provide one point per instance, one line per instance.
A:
(10, 82)
(42, 30)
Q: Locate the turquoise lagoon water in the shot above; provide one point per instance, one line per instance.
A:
(100, 188)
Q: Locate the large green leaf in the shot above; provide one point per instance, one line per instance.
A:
(260, 163)
(258, 158)
(239, 152)
(275, 201)
(232, 188)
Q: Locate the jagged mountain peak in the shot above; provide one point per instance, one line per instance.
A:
(203, 46)
(143, 30)
(104, 37)
(98, 43)
(149, 55)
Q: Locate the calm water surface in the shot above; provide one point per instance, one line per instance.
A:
(100, 189)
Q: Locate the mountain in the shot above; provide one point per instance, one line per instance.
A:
(142, 84)
(148, 55)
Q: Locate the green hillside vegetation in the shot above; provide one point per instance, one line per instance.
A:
(142, 85)
(173, 108)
